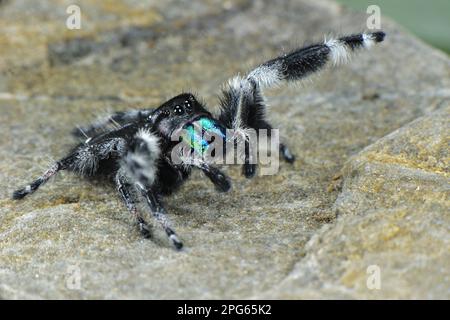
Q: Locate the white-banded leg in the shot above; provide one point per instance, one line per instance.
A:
(159, 214)
(253, 110)
(240, 94)
(123, 187)
(32, 187)
(305, 61)
(83, 159)
(140, 166)
(242, 101)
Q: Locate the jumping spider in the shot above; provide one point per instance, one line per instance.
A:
(135, 153)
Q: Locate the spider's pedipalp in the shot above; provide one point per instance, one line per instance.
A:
(217, 177)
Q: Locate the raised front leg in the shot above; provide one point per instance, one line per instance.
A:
(253, 116)
(242, 102)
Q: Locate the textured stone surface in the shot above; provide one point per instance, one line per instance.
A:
(274, 236)
(399, 190)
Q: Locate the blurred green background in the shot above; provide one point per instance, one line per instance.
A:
(428, 19)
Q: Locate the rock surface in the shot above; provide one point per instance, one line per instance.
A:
(393, 216)
(357, 196)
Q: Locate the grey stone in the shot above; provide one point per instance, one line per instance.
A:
(393, 218)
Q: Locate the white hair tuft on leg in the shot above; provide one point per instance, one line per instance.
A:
(339, 51)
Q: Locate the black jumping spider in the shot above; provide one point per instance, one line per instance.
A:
(136, 152)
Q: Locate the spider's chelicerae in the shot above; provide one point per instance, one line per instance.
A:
(136, 152)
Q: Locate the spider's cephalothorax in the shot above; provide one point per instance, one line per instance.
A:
(134, 148)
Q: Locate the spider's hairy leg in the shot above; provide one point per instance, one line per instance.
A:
(244, 106)
(140, 166)
(123, 187)
(217, 177)
(242, 97)
(308, 60)
(249, 167)
(159, 213)
(111, 122)
(242, 101)
(140, 162)
(32, 187)
(284, 150)
(83, 159)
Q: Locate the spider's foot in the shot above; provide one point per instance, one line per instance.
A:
(249, 170)
(22, 193)
(19, 194)
(224, 185)
(145, 230)
(289, 158)
(221, 181)
(286, 154)
(177, 243)
(378, 36)
(174, 239)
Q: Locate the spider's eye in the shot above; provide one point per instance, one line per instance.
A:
(166, 112)
(191, 98)
(187, 106)
(178, 110)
